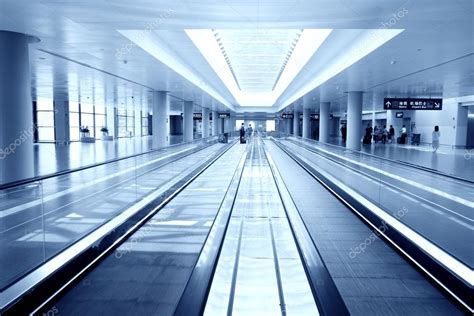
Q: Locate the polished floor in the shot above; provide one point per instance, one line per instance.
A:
(452, 161)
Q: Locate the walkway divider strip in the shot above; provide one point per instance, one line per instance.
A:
(194, 298)
(328, 299)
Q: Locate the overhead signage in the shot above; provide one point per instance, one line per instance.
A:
(412, 104)
(197, 116)
(287, 115)
(224, 115)
(399, 114)
(314, 116)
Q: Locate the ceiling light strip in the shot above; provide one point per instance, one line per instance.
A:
(287, 58)
(226, 57)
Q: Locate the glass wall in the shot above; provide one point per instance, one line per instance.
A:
(86, 114)
(144, 123)
(45, 120)
(100, 119)
(74, 122)
(270, 125)
(126, 122)
(87, 117)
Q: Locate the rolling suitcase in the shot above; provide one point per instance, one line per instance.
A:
(242, 140)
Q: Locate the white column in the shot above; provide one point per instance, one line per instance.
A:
(205, 122)
(306, 123)
(324, 122)
(188, 133)
(61, 120)
(161, 120)
(215, 123)
(354, 120)
(110, 118)
(16, 110)
(296, 123)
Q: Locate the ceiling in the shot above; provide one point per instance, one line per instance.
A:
(389, 48)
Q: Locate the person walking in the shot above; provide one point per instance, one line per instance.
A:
(436, 135)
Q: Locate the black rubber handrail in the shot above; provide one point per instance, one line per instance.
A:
(13, 184)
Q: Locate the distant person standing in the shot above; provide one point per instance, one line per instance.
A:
(404, 135)
(249, 131)
(242, 133)
(391, 133)
(344, 133)
(384, 134)
(436, 135)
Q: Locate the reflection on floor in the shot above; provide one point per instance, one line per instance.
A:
(50, 158)
(457, 162)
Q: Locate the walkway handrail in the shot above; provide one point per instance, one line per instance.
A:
(13, 184)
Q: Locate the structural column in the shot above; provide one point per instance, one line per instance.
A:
(205, 122)
(188, 126)
(16, 114)
(215, 123)
(288, 123)
(306, 123)
(354, 120)
(61, 121)
(161, 120)
(296, 123)
(324, 122)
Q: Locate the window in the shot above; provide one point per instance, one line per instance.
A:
(100, 119)
(270, 125)
(87, 117)
(125, 122)
(74, 121)
(45, 120)
(145, 124)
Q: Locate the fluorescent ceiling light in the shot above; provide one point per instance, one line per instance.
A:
(149, 42)
(369, 41)
(257, 65)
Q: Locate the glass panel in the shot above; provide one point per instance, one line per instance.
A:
(122, 111)
(74, 133)
(44, 105)
(46, 119)
(22, 235)
(73, 119)
(87, 120)
(87, 108)
(270, 125)
(100, 121)
(100, 109)
(73, 106)
(46, 133)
